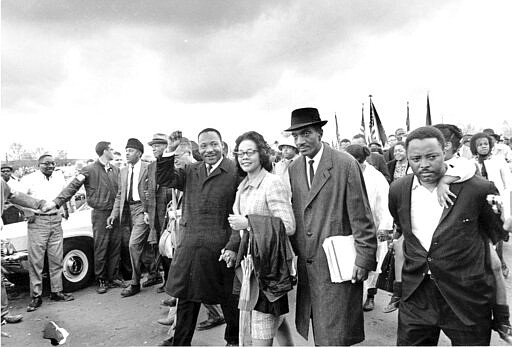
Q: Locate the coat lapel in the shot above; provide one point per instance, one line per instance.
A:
(455, 189)
(322, 175)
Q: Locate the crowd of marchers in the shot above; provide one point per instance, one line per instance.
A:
(237, 230)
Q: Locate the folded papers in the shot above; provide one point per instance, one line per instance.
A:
(341, 256)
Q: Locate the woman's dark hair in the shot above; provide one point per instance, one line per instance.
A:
(262, 147)
(428, 132)
(477, 136)
(451, 134)
(399, 143)
(359, 152)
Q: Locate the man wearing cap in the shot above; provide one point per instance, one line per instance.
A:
(329, 199)
(13, 183)
(157, 198)
(130, 196)
(290, 153)
(100, 181)
(45, 232)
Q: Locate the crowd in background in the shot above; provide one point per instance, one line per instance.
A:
(221, 202)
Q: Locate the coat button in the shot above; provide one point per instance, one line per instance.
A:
(309, 261)
(309, 233)
(429, 259)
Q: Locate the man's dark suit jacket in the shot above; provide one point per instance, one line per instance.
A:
(457, 258)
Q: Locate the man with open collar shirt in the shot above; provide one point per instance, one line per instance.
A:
(45, 232)
(100, 181)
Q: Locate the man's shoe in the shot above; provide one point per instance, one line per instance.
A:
(393, 304)
(169, 302)
(210, 323)
(102, 287)
(13, 319)
(505, 332)
(118, 284)
(369, 304)
(34, 303)
(167, 342)
(60, 296)
(152, 281)
(132, 289)
(166, 321)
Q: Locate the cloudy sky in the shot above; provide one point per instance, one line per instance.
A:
(77, 72)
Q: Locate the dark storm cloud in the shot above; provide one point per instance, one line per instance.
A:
(211, 51)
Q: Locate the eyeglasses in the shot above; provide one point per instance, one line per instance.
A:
(249, 152)
(48, 163)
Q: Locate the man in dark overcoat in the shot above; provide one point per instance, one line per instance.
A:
(329, 199)
(196, 275)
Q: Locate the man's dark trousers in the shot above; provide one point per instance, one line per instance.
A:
(424, 314)
(107, 246)
(186, 320)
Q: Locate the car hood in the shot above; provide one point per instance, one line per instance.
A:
(78, 224)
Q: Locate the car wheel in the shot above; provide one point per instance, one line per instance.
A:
(77, 263)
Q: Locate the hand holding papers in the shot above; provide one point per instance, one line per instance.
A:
(341, 255)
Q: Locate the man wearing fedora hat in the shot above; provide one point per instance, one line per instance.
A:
(100, 181)
(329, 199)
(130, 197)
(157, 198)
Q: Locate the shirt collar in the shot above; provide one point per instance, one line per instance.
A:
(257, 181)
(137, 164)
(216, 165)
(317, 156)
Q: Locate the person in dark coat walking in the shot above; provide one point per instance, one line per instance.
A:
(196, 275)
(329, 199)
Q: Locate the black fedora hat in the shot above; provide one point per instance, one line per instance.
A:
(304, 117)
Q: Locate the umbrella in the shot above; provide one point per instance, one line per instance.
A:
(244, 302)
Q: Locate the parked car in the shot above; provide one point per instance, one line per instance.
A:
(78, 261)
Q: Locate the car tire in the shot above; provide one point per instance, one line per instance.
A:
(77, 263)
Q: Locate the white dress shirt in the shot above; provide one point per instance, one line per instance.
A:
(39, 186)
(316, 162)
(425, 213)
(135, 185)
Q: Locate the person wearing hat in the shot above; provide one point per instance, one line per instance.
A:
(6, 173)
(45, 235)
(129, 199)
(101, 184)
(157, 198)
(328, 199)
(290, 153)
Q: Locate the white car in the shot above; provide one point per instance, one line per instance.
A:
(78, 260)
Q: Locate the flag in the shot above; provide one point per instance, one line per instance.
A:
(429, 118)
(362, 129)
(380, 128)
(371, 124)
(337, 131)
(407, 120)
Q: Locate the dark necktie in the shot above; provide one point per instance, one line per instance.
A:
(311, 172)
(484, 170)
(208, 169)
(130, 194)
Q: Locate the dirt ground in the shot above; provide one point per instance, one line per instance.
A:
(110, 320)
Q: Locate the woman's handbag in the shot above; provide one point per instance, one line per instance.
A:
(387, 275)
(167, 243)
